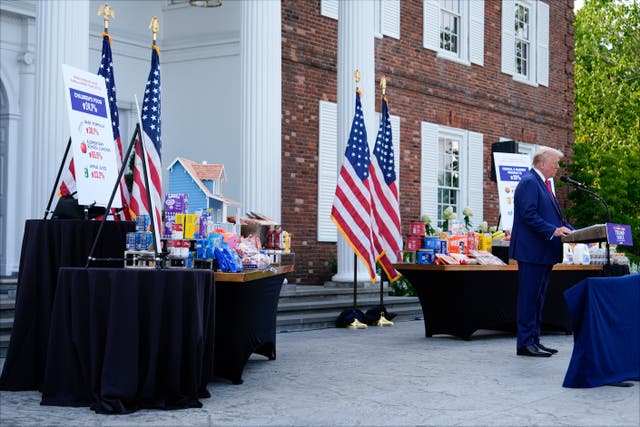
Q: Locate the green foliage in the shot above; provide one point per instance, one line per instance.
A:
(607, 121)
(332, 264)
(402, 288)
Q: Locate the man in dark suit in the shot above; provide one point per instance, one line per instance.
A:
(538, 226)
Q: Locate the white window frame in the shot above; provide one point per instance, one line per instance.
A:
(461, 52)
(471, 171)
(526, 38)
(471, 37)
(386, 16)
(539, 42)
(329, 160)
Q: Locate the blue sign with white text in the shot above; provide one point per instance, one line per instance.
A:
(88, 103)
(512, 173)
(619, 234)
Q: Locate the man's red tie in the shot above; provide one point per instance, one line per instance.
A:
(549, 187)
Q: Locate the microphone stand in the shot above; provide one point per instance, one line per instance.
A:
(600, 199)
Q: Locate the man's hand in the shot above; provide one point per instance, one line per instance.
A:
(562, 231)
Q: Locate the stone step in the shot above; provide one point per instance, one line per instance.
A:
(362, 301)
(313, 293)
(7, 304)
(305, 320)
(303, 307)
(4, 343)
(6, 323)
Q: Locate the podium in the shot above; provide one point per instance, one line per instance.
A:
(616, 234)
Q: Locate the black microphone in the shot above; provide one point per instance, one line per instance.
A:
(580, 186)
(565, 178)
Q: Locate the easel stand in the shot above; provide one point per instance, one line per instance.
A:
(135, 139)
(353, 318)
(48, 210)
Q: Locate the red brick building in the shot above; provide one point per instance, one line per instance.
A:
(458, 94)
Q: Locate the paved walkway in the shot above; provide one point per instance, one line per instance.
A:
(378, 377)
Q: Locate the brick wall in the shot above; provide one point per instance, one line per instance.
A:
(420, 88)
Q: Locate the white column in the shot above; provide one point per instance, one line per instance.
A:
(20, 173)
(62, 37)
(261, 100)
(355, 51)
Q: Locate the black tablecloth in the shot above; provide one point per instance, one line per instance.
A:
(124, 339)
(606, 322)
(245, 323)
(46, 246)
(461, 302)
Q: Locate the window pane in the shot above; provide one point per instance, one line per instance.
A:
(449, 26)
(448, 175)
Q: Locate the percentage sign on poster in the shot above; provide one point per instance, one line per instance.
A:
(90, 107)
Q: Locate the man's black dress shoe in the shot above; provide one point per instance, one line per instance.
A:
(533, 351)
(547, 349)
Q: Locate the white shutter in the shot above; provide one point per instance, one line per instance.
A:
(431, 23)
(475, 176)
(476, 32)
(327, 169)
(429, 171)
(542, 53)
(390, 18)
(508, 37)
(329, 8)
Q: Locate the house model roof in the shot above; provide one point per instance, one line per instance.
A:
(205, 171)
(202, 171)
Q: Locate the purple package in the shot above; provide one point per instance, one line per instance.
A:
(176, 203)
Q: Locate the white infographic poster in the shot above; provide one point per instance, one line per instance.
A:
(509, 170)
(93, 146)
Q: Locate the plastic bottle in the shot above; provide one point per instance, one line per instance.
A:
(581, 254)
(567, 254)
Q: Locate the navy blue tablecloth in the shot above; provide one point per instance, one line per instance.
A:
(48, 245)
(124, 339)
(245, 323)
(605, 313)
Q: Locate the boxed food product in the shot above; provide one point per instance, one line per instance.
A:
(457, 244)
(432, 243)
(426, 256)
(413, 243)
(416, 228)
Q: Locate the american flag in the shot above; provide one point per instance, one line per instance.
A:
(351, 210)
(385, 224)
(106, 71)
(151, 138)
(68, 184)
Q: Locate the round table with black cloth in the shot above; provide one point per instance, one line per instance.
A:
(48, 245)
(123, 339)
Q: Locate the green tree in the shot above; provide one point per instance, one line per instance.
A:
(607, 120)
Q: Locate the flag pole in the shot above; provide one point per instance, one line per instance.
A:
(355, 323)
(383, 321)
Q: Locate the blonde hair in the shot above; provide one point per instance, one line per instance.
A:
(543, 153)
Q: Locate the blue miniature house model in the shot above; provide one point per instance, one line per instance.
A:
(202, 182)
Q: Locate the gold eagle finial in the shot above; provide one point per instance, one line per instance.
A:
(107, 11)
(154, 25)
